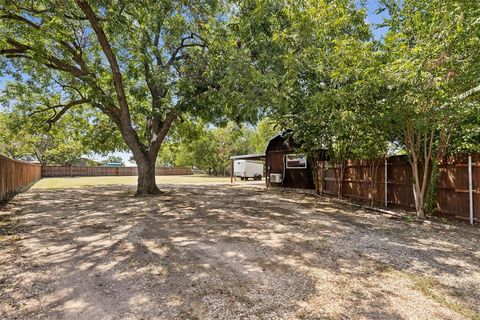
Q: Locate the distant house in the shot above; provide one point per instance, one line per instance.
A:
(115, 164)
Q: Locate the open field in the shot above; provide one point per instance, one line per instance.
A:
(227, 252)
(68, 182)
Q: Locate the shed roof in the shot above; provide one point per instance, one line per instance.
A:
(253, 156)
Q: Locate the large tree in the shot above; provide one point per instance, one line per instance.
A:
(325, 72)
(141, 64)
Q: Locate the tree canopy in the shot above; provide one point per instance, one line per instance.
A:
(210, 148)
(130, 74)
(337, 88)
(137, 67)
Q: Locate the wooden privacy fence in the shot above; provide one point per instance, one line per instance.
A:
(16, 175)
(365, 181)
(57, 171)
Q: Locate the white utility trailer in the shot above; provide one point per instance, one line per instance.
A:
(247, 169)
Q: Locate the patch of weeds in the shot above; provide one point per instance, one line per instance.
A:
(432, 289)
(409, 218)
(16, 238)
(319, 244)
(383, 267)
(445, 220)
(7, 228)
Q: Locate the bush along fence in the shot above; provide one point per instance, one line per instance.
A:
(57, 171)
(16, 176)
(389, 183)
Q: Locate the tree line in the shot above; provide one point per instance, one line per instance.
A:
(210, 148)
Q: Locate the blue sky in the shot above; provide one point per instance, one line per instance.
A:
(372, 18)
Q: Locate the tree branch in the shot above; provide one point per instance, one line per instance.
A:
(59, 114)
(69, 105)
(52, 62)
(467, 93)
(15, 17)
(112, 60)
(183, 45)
(158, 139)
(75, 55)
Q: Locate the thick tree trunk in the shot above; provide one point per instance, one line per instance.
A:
(146, 177)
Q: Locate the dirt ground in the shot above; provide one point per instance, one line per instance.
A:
(223, 252)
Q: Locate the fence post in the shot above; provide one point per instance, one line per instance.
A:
(322, 177)
(386, 182)
(470, 188)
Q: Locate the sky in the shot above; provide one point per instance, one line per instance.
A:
(373, 18)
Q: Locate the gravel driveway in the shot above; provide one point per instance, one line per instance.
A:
(223, 252)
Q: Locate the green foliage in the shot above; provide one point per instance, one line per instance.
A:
(113, 159)
(210, 148)
(318, 56)
(20, 138)
(431, 198)
(171, 54)
(427, 74)
(264, 131)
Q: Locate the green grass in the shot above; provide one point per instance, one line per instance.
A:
(430, 287)
(68, 182)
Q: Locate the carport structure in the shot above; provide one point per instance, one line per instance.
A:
(254, 157)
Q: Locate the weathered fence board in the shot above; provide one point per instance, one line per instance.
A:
(362, 181)
(57, 171)
(16, 175)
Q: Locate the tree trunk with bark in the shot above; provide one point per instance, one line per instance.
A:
(419, 143)
(419, 186)
(146, 176)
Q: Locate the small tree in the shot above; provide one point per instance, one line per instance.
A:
(21, 138)
(433, 54)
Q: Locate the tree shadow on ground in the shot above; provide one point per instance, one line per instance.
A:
(210, 252)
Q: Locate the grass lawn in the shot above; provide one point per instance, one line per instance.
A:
(68, 182)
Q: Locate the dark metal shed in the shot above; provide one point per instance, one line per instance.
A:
(281, 158)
